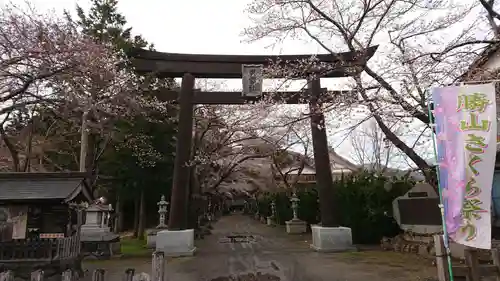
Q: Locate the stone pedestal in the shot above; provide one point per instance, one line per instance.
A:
(269, 221)
(296, 226)
(95, 235)
(331, 239)
(176, 243)
(151, 237)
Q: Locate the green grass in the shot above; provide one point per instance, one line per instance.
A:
(133, 247)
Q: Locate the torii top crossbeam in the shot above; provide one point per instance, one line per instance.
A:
(229, 66)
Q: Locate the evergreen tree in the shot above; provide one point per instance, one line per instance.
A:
(132, 168)
(107, 25)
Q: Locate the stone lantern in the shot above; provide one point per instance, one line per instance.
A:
(151, 233)
(96, 216)
(295, 225)
(295, 206)
(272, 218)
(162, 210)
(96, 231)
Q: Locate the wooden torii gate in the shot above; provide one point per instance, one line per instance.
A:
(191, 66)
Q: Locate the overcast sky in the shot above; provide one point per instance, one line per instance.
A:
(187, 26)
(196, 26)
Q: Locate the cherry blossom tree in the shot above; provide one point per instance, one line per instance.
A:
(34, 49)
(235, 146)
(48, 64)
(421, 44)
(371, 149)
(289, 164)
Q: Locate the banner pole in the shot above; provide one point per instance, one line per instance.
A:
(440, 191)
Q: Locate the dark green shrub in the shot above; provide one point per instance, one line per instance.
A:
(364, 201)
(283, 207)
(264, 204)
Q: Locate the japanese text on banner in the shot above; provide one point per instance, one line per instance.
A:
(466, 152)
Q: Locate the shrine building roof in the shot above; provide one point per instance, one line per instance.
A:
(64, 186)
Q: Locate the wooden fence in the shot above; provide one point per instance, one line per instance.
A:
(472, 270)
(40, 249)
(157, 273)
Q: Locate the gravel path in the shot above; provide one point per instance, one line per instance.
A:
(268, 253)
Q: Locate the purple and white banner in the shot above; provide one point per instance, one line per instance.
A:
(466, 133)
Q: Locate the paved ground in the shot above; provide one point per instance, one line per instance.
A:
(274, 255)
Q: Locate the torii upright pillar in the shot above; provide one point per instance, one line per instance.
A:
(178, 240)
(329, 236)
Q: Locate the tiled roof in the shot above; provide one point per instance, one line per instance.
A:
(36, 186)
(483, 58)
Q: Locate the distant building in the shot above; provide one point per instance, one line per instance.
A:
(307, 174)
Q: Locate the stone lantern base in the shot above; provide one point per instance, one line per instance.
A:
(270, 221)
(151, 237)
(176, 243)
(331, 239)
(296, 226)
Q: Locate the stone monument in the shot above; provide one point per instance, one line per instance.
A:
(417, 211)
(96, 236)
(295, 225)
(151, 234)
(418, 214)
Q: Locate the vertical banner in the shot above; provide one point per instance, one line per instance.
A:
(466, 134)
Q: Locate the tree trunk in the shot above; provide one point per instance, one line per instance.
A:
(136, 217)
(118, 223)
(429, 172)
(84, 142)
(142, 216)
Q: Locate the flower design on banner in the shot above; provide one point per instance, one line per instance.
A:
(438, 110)
(441, 137)
(454, 124)
(445, 193)
(453, 191)
(456, 175)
